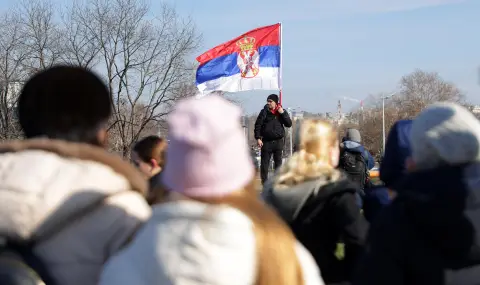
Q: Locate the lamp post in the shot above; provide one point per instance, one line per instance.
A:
(295, 114)
(289, 110)
(245, 126)
(383, 117)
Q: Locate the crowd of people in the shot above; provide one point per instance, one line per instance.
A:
(186, 209)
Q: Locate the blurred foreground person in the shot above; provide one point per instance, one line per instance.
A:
(66, 205)
(429, 233)
(211, 228)
(319, 202)
(148, 155)
(392, 169)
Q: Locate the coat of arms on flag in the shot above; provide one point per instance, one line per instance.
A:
(248, 62)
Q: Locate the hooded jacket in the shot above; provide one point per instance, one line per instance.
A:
(44, 182)
(429, 233)
(323, 212)
(397, 150)
(392, 168)
(189, 242)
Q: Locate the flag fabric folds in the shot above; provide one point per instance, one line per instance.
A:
(248, 62)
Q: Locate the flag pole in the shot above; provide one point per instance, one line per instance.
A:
(281, 63)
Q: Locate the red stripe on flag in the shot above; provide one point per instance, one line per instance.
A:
(264, 36)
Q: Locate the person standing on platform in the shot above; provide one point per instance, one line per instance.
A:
(270, 133)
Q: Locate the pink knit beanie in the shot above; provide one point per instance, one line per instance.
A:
(207, 154)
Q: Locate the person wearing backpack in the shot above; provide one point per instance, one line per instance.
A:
(318, 201)
(66, 204)
(355, 160)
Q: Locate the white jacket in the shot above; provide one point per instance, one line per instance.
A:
(191, 243)
(43, 182)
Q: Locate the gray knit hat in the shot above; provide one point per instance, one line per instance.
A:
(445, 133)
(353, 135)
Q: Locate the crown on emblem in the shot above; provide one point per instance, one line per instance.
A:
(246, 43)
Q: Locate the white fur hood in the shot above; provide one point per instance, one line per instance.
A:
(43, 181)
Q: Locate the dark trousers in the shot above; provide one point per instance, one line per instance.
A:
(270, 148)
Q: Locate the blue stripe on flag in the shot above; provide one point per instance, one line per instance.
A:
(225, 66)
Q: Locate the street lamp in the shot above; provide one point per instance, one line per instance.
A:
(383, 117)
(245, 126)
(293, 117)
(289, 110)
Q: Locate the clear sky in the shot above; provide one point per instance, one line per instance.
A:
(349, 47)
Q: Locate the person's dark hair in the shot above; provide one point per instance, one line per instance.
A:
(151, 147)
(64, 102)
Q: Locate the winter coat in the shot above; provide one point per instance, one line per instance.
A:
(188, 242)
(271, 127)
(44, 182)
(323, 213)
(392, 168)
(429, 233)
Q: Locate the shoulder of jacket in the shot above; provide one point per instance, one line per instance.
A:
(131, 202)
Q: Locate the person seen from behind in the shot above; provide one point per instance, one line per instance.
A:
(148, 155)
(392, 169)
(67, 201)
(269, 132)
(429, 233)
(318, 201)
(211, 228)
(355, 160)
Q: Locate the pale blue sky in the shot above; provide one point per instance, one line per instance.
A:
(349, 47)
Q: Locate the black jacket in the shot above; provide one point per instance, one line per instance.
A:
(270, 127)
(322, 214)
(429, 233)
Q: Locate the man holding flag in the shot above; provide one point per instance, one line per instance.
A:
(270, 132)
(252, 61)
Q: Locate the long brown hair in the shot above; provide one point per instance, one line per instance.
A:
(277, 261)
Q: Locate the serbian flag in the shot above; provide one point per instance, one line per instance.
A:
(248, 62)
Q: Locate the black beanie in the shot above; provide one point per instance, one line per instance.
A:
(273, 97)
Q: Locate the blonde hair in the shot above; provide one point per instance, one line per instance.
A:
(277, 261)
(316, 138)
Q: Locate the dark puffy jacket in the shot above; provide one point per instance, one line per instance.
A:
(429, 234)
(269, 126)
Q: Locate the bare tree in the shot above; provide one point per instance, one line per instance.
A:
(12, 74)
(42, 36)
(144, 59)
(417, 90)
(420, 89)
(81, 47)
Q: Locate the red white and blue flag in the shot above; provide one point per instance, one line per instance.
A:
(248, 62)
